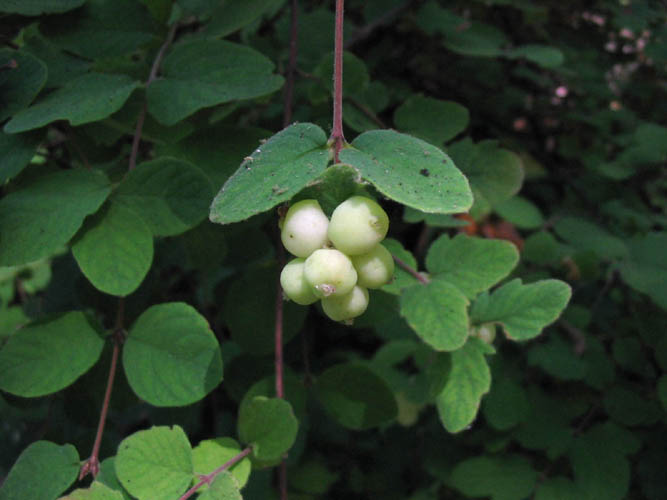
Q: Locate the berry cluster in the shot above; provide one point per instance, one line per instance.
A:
(337, 260)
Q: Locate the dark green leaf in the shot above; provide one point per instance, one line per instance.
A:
(268, 425)
(506, 405)
(409, 171)
(272, 174)
(62, 66)
(356, 74)
(171, 357)
(545, 56)
(555, 357)
(20, 80)
(645, 268)
(402, 279)
(509, 477)
(46, 357)
(40, 217)
(431, 119)
(335, 185)
(585, 235)
(16, 151)
(521, 212)
(233, 15)
(556, 488)
(37, 7)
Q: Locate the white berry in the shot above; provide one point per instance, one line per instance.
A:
(375, 268)
(329, 272)
(304, 229)
(294, 284)
(357, 225)
(348, 306)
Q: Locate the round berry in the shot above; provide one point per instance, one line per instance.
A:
(304, 229)
(357, 225)
(348, 306)
(375, 268)
(294, 284)
(329, 272)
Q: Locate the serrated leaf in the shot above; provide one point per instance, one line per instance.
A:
(509, 477)
(410, 171)
(356, 397)
(16, 151)
(37, 7)
(471, 264)
(585, 235)
(210, 454)
(438, 313)
(171, 195)
(155, 464)
(171, 357)
(522, 310)
(22, 77)
(645, 267)
(204, 73)
(96, 491)
(433, 120)
(42, 216)
(42, 472)
(469, 379)
(268, 425)
(224, 487)
(85, 99)
(114, 250)
(273, 173)
(47, 356)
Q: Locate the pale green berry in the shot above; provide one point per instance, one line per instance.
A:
(304, 229)
(348, 306)
(294, 284)
(375, 268)
(329, 272)
(486, 333)
(357, 225)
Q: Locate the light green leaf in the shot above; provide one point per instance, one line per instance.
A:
(114, 250)
(171, 357)
(233, 15)
(42, 216)
(268, 425)
(356, 397)
(645, 267)
(509, 477)
(469, 379)
(438, 313)
(96, 491)
(16, 151)
(410, 171)
(544, 55)
(155, 464)
(273, 173)
(85, 99)
(58, 468)
(37, 7)
(107, 476)
(522, 310)
(47, 356)
(402, 279)
(585, 235)
(204, 73)
(521, 212)
(471, 264)
(224, 487)
(20, 81)
(171, 195)
(433, 120)
(210, 454)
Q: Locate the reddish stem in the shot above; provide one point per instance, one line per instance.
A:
(282, 479)
(291, 67)
(92, 465)
(280, 392)
(208, 478)
(337, 138)
(413, 272)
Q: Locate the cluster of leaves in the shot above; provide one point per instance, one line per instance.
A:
(122, 119)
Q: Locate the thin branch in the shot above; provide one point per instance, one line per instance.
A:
(367, 111)
(337, 138)
(208, 478)
(282, 479)
(291, 67)
(280, 392)
(368, 30)
(577, 336)
(413, 272)
(136, 139)
(92, 465)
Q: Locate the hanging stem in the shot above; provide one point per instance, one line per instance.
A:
(337, 138)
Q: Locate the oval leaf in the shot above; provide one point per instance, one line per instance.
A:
(507, 477)
(268, 425)
(171, 357)
(209, 454)
(224, 487)
(431, 119)
(16, 151)
(23, 76)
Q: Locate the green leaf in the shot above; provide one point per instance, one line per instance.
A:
(402, 279)
(506, 405)
(155, 464)
(96, 491)
(645, 267)
(204, 73)
(224, 487)
(58, 468)
(469, 379)
(114, 250)
(522, 310)
(335, 185)
(233, 15)
(37, 7)
(171, 195)
(16, 151)
(107, 476)
(662, 391)
(47, 356)
(585, 235)
(627, 406)
(171, 357)
(471, 264)
(62, 66)
(268, 425)
(556, 488)
(438, 313)
(273, 173)
(21, 79)
(521, 212)
(312, 477)
(555, 357)
(509, 477)
(85, 99)
(42, 216)
(409, 171)
(545, 56)
(210, 454)
(356, 74)
(433, 120)
(356, 397)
